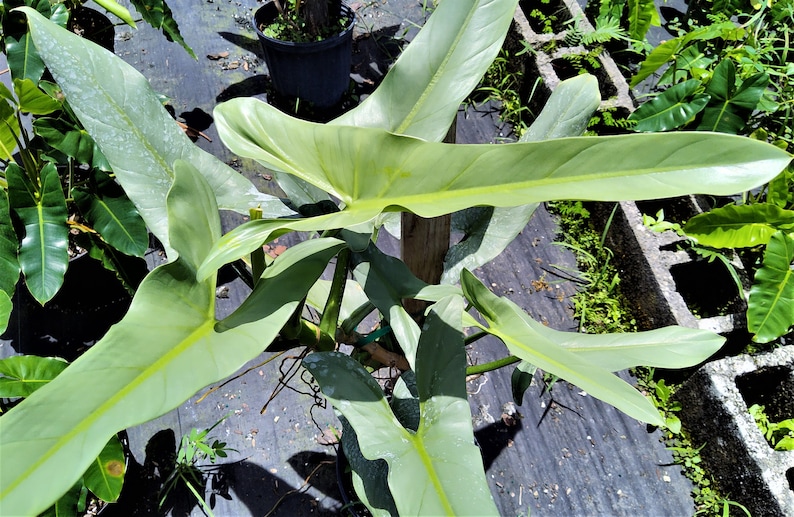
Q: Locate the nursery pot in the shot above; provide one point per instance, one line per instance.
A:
(344, 480)
(93, 26)
(90, 300)
(317, 72)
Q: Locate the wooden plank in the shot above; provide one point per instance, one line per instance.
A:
(424, 244)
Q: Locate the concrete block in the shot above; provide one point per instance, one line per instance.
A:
(715, 404)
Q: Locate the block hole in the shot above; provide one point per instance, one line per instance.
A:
(790, 478)
(546, 17)
(707, 288)
(575, 64)
(772, 388)
(676, 210)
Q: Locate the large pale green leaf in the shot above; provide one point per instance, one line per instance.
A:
(439, 463)
(370, 477)
(517, 330)
(371, 170)
(24, 374)
(43, 254)
(668, 347)
(118, 108)
(488, 231)
(105, 477)
(568, 110)
(164, 350)
(739, 226)
(770, 311)
(422, 92)
(249, 236)
(672, 108)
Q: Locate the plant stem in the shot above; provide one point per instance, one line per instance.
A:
(258, 255)
(332, 306)
(491, 366)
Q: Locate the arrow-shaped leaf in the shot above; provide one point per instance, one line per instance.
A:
(439, 463)
(164, 350)
(514, 327)
(118, 108)
(445, 61)
(372, 170)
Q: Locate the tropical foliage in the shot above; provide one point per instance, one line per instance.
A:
(382, 157)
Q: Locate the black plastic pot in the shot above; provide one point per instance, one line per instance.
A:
(90, 300)
(317, 72)
(94, 26)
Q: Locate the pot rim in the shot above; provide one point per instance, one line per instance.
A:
(348, 12)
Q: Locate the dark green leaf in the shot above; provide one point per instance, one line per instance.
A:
(521, 380)
(65, 137)
(770, 311)
(780, 191)
(43, 254)
(157, 14)
(108, 211)
(9, 244)
(671, 109)
(66, 505)
(23, 59)
(739, 226)
(642, 14)
(105, 477)
(730, 107)
(24, 374)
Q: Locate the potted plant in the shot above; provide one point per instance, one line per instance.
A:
(383, 156)
(307, 47)
(84, 21)
(44, 150)
(59, 205)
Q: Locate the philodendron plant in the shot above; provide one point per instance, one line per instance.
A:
(382, 157)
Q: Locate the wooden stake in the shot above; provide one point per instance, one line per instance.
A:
(424, 244)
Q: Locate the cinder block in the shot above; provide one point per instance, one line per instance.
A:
(614, 88)
(668, 284)
(715, 404)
